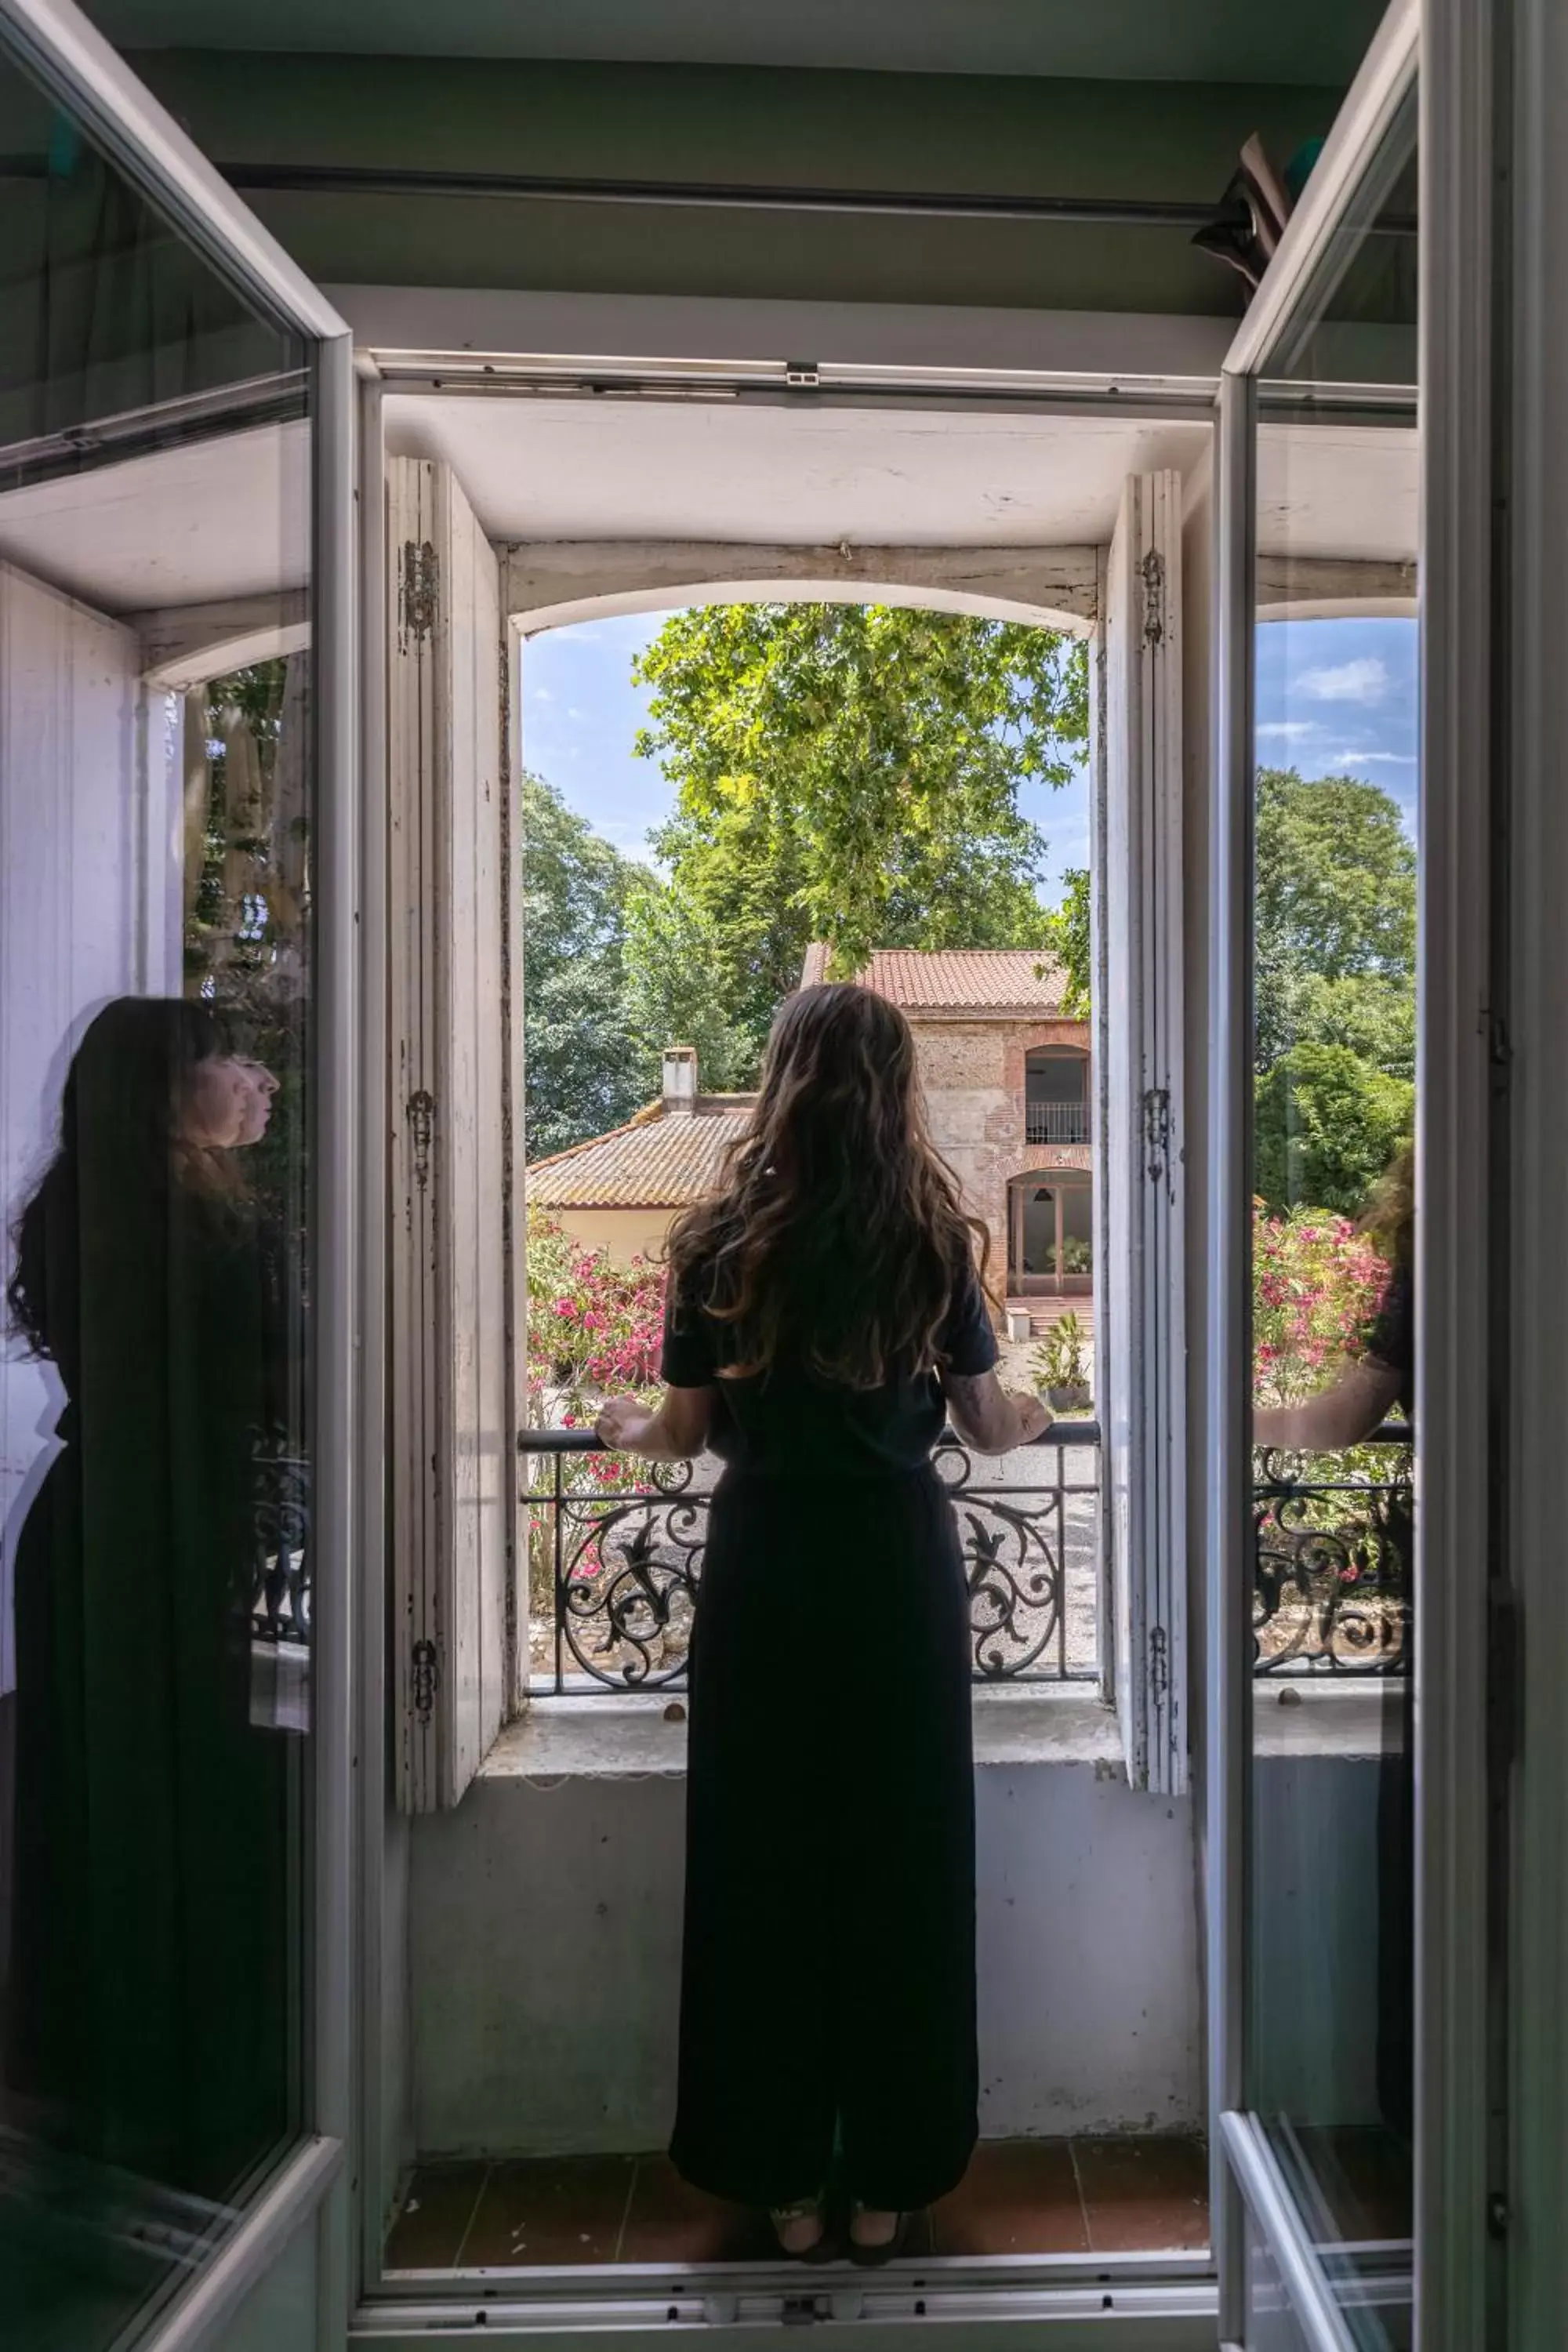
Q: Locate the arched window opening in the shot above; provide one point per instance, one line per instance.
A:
(1056, 1094)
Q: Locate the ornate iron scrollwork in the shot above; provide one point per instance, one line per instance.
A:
(280, 1565)
(625, 1568)
(1331, 1574)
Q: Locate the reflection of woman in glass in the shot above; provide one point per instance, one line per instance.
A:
(1369, 1389)
(147, 2014)
(1370, 1386)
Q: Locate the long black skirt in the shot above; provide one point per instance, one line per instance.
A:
(829, 1976)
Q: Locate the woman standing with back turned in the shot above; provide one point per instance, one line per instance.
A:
(825, 1317)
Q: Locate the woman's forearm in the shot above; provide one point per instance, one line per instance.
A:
(672, 1431)
(1346, 1414)
(988, 1418)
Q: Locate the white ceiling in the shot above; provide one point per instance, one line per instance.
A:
(190, 526)
(228, 518)
(1346, 490)
(796, 477)
(1123, 40)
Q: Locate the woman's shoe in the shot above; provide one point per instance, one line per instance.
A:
(879, 2250)
(800, 2229)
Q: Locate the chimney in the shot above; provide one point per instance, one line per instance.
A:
(679, 1080)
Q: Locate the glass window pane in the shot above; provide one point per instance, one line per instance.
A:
(1336, 825)
(156, 829)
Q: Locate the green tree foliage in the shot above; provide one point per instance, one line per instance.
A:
(583, 1072)
(1336, 989)
(1327, 1125)
(1071, 940)
(675, 988)
(850, 773)
(1335, 920)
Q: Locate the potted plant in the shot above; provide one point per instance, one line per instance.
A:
(1061, 1366)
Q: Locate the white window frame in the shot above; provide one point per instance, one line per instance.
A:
(452, 1494)
(1127, 600)
(1141, 1321)
(548, 585)
(303, 2202)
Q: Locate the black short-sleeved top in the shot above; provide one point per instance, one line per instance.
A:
(789, 1419)
(1392, 1339)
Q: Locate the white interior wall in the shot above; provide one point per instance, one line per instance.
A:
(89, 875)
(545, 1953)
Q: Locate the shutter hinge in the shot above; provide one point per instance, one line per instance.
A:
(418, 590)
(427, 1675)
(1159, 1664)
(1152, 571)
(422, 1123)
(1157, 1131)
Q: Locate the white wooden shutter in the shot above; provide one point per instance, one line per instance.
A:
(1140, 1335)
(452, 1454)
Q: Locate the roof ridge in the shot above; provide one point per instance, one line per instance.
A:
(637, 1118)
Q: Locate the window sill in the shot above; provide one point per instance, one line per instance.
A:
(630, 1739)
(1316, 1717)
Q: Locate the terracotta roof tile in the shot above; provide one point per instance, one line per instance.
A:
(967, 979)
(658, 1161)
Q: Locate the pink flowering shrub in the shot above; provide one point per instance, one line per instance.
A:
(1317, 1287)
(594, 1329)
(592, 1324)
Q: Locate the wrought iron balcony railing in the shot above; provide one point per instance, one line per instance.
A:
(1332, 1585)
(281, 1564)
(616, 1558)
(615, 1554)
(1055, 1122)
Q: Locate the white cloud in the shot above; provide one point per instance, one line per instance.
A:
(1365, 680)
(541, 694)
(1290, 731)
(1383, 759)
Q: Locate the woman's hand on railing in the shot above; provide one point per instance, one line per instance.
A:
(1035, 1417)
(674, 1431)
(988, 1418)
(624, 1423)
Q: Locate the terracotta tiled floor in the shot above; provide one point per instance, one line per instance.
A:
(1020, 2197)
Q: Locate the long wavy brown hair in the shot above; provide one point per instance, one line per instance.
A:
(837, 1238)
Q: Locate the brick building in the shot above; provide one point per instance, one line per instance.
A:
(1007, 1084)
(1008, 1091)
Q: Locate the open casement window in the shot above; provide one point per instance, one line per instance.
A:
(1137, 953)
(452, 1480)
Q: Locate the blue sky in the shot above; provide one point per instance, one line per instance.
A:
(1334, 697)
(1338, 698)
(580, 711)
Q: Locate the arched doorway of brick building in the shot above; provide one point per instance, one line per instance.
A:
(1050, 1235)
